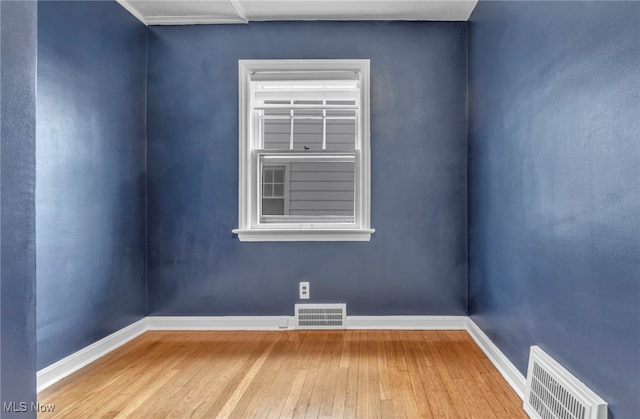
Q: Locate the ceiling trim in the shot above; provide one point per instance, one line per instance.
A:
(133, 11)
(235, 4)
(193, 20)
(238, 15)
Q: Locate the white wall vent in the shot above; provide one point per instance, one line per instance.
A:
(554, 393)
(321, 316)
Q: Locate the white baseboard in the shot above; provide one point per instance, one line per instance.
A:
(219, 322)
(61, 369)
(510, 373)
(67, 366)
(407, 322)
(287, 322)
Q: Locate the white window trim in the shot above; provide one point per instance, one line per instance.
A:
(247, 205)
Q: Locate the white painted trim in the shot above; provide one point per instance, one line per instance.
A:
(67, 366)
(129, 8)
(244, 148)
(193, 20)
(274, 322)
(220, 323)
(364, 169)
(189, 19)
(319, 10)
(237, 8)
(406, 322)
(510, 373)
(269, 235)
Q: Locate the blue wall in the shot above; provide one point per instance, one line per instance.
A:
(90, 174)
(18, 22)
(416, 260)
(554, 192)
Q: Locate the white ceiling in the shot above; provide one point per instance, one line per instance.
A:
(181, 12)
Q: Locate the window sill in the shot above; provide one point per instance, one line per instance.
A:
(299, 235)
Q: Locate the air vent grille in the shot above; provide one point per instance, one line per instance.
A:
(321, 316)
(552, 400)
(553, 393)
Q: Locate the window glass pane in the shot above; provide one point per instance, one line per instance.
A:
(277, 134)
(341, 131)
(278, 190)
(272, 206)
(341, 102)
(318, 190)
(268, 175)
(308, 111)
(341, 134)
(322, 189)
(307, 134)
(280, 110)
(267, 190)
(276, 125)
(341, 112)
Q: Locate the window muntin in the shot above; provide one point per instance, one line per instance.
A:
(309, 119)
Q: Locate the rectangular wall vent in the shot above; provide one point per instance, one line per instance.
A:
(321, 316)
(554, 393)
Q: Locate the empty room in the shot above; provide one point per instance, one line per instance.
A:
(320, 209)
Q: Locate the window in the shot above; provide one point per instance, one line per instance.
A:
(304, 150)
(274, 200)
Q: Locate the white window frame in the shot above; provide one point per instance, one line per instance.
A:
(250, 229)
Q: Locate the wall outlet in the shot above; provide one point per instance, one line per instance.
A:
(305, 293)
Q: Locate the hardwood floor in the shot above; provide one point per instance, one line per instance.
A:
(310, 374)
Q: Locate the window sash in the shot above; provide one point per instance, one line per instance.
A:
(266, 158)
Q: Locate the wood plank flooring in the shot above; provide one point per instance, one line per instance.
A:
(289, 374)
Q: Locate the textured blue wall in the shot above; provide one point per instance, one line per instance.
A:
(90, 174)
(416, 260)
(17, 205)
(554, 170)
